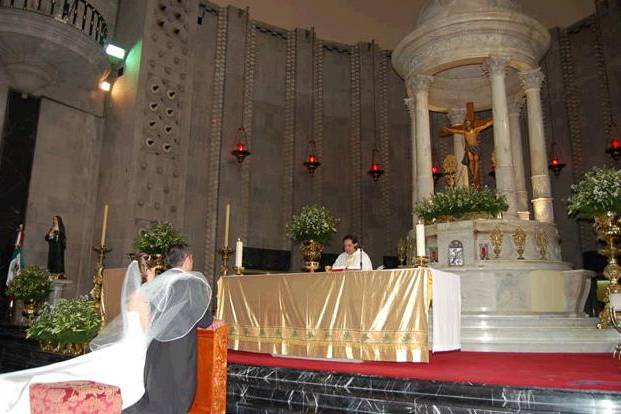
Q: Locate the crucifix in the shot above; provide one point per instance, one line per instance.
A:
(471, 129)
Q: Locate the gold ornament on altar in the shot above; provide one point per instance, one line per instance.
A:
(449, 165)
(311, 252)
(496, 237)
(402, 251)
(608, 228)
(541, 240)
(519, 242)
(411, 251)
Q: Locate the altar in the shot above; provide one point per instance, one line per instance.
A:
(371, 316)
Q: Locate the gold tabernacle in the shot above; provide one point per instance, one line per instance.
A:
(371, 316)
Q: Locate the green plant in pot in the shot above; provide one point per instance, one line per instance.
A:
(67, 327)
(155, 242)
(461, 203)
(598, 196)
(32, 286)
(313, 227)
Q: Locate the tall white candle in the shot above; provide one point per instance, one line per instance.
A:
(420, 239)
(239, 253)
(104, 226)
(226, 225)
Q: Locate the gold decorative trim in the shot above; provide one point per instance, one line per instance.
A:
(519, 242)
(496, 237)
(541, 240)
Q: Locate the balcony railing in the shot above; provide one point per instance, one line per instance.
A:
(78, 13)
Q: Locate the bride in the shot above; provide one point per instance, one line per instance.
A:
(164, 308)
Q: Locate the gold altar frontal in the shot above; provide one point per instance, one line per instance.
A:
(370, 316)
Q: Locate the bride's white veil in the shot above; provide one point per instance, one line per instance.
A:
(168, 306)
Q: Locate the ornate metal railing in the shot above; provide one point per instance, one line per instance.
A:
(78, 13)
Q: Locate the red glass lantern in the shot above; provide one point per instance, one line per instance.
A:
(555, 165)
(437, 173)
(614, 146)
(241, 151)
(312, 161)
(375, 170)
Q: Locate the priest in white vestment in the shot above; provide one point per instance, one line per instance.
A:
(351, 258)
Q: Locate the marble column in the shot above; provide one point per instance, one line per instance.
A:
(517, 153)
(411, 105)
(505, 179)
(4, 96)
(457, 116)
(540, 179)
(418, 86)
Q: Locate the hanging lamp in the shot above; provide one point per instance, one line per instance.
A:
(375, 170)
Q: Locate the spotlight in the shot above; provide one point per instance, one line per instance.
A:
(115, 51)
(105, 85)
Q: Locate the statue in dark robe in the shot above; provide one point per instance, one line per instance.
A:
(57, 242)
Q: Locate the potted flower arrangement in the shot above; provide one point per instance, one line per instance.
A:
(461, 203)
(155, 242)
(598, 196)
(67, 327)
(32, 285)
(313, 227)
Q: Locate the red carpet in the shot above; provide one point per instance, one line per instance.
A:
(566, 371)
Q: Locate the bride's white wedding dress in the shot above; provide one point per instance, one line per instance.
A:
(120, 364)
(165, 309)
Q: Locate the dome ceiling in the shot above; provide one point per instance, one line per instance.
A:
(386, 21)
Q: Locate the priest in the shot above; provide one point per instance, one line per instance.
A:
(353, 257)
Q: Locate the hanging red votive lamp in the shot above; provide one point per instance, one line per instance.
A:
(437, 173)
(375, 170)
(241, 151)
(555, 165)
(312, 161)
(614, 146)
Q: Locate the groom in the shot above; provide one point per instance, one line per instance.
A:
(170, 367)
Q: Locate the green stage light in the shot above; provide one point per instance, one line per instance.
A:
(115, 51)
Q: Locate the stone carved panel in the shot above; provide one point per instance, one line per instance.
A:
(318, 51)
(355, 161)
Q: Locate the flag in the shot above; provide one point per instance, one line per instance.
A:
(17, 260)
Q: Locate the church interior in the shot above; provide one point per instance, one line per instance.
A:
(393, 206)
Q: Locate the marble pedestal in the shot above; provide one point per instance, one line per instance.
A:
(513, 305)
(58, 286)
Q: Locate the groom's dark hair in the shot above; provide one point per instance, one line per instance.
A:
(176, 254)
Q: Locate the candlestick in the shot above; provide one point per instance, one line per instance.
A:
(224, 265)
(226, 225)
(420, 239)
(239, 253)
(104, 226)
(421, 261)
(97, 293)
(239, 270)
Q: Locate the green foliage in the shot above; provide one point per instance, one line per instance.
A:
(598, 192)
(70, 321)
(313, 223)
(456, 202)
(158, 238)
(32, 283)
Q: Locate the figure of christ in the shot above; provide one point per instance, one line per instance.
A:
(471, 129)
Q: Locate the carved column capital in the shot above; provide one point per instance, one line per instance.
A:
(515, 104)
(495, 65)
(410, 103)
(456, 115)
(532, 79)
(418, 83)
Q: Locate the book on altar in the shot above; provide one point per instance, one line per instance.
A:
(344, 269)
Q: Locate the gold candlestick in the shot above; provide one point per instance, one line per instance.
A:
(97, 293)
(239, 270)
(226, 253)
(421, 261)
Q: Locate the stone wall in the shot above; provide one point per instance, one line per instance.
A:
(164, 149)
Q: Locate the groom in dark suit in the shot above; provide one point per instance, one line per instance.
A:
(170, 367)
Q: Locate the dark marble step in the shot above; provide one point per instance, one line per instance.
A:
(287, 389)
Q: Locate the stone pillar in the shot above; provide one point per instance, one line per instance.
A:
(542, 194)
(4, 96)
(457, 116)
(411, 105)
(505, 180)
(418, 85)
(517, 153)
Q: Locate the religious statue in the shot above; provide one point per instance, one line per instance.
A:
(471, 129)
(57, 242)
